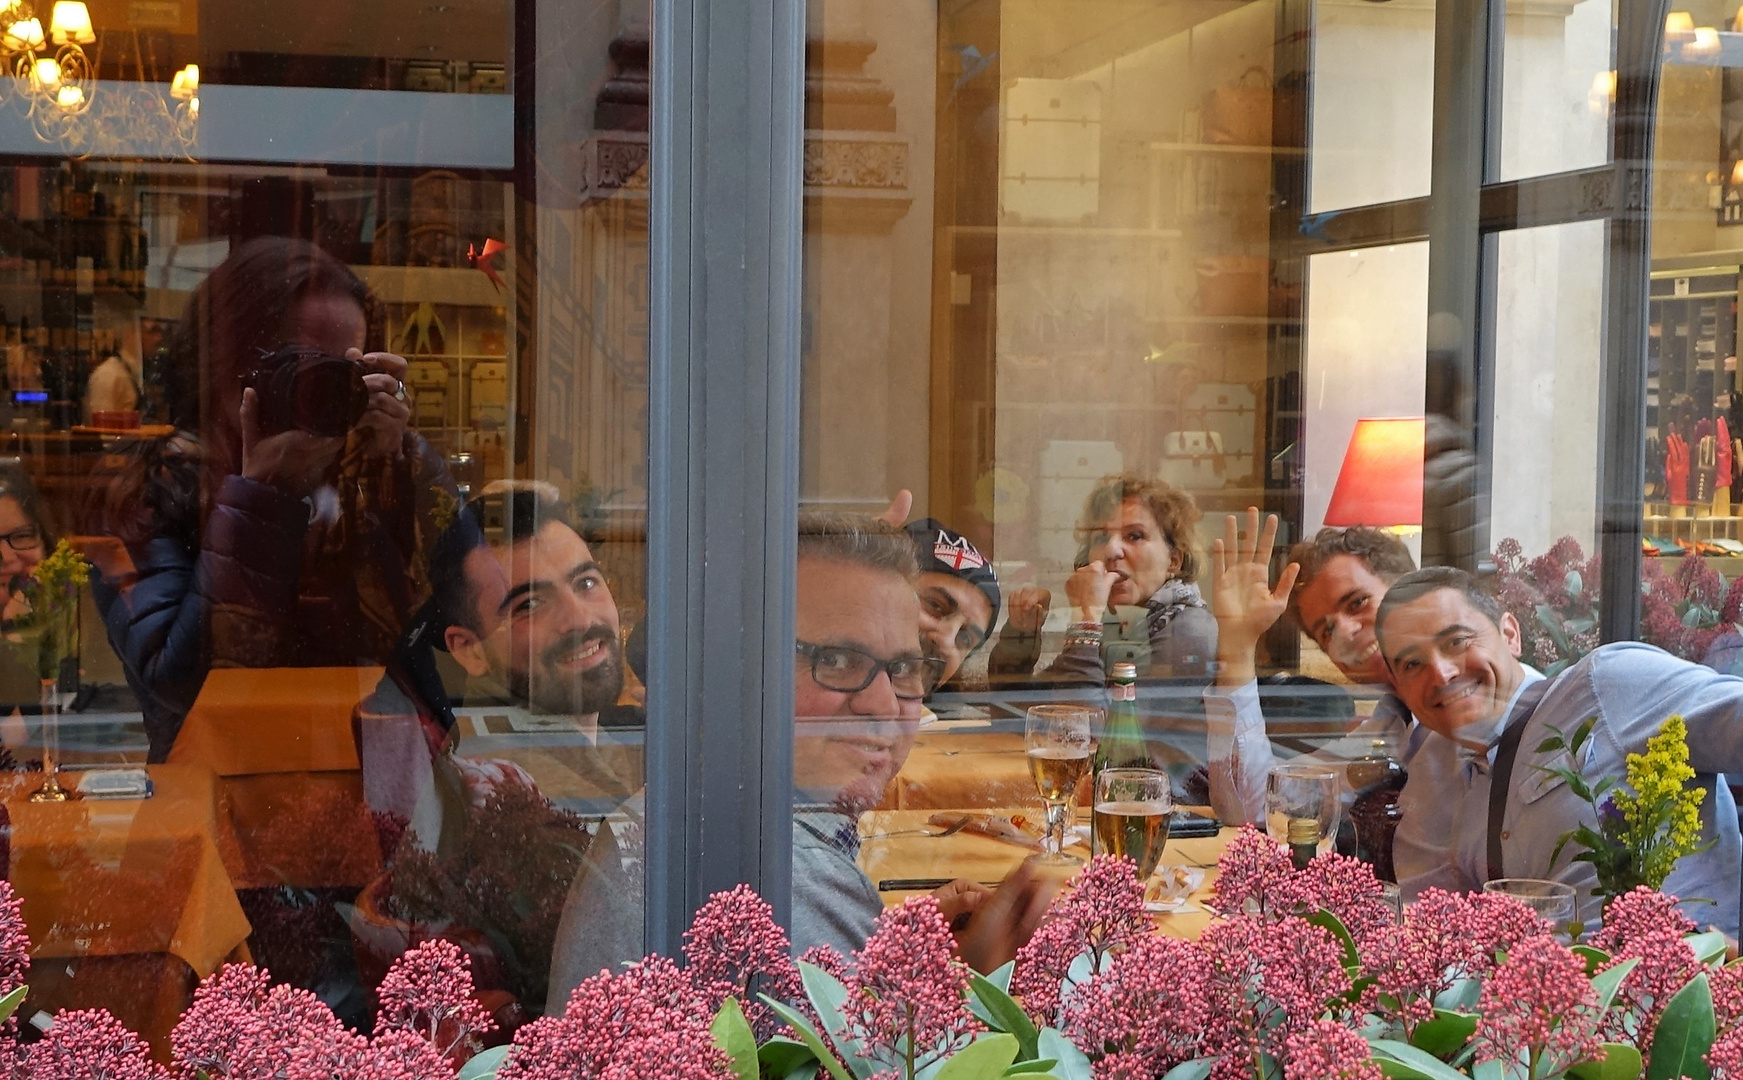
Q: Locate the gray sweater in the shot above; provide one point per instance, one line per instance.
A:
(834, 903)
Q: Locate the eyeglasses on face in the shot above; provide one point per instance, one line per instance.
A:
(25, 539)
(848, 671)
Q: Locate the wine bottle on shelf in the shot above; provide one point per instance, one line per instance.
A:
(1122, 744)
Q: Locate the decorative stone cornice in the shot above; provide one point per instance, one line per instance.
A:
(851, 159)
(615, 162)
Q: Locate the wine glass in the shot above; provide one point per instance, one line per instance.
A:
(1553, 900)
(1301, 800)
(1131, 815)
(1059, 744)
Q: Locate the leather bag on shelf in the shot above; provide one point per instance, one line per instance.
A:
(1239, 114)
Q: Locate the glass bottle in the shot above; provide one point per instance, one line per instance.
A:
(1122, 744)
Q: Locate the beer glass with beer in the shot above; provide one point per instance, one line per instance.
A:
(1059, 743)
(1131, 815)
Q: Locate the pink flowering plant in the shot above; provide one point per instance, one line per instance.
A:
(1302, 975)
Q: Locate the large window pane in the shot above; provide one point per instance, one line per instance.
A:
(1557, 87)
(345, 416)
(1051, 292)
(1373, 103)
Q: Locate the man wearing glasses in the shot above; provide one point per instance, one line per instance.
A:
(858, 680)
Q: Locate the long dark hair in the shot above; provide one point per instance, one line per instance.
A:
(165, 486)
(234, 317)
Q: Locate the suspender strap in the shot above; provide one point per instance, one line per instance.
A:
(1501, 774)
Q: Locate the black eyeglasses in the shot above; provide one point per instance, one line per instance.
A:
(25, 539)
(848, 671)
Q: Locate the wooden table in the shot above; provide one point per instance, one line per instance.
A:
(980, 858)
(127, 902)
(952, 769)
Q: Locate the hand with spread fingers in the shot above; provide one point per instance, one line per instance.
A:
(1245, 602)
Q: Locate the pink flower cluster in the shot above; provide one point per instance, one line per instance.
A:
(1147, 1012)
(1645, 925)
(1256, 876)
(1268, 980)
(907, 996)
(1537, 1005)
(647, 1020)
(1445, 937)
(1726, 1056)
(428, 992)
(734, 948)
(1100, 912)
(1327, 1050)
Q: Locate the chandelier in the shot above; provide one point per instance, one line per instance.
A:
(54, 83)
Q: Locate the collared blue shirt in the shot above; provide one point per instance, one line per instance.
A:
(1630, 689)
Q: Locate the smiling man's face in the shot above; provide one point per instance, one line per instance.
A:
(1337, 610)
(1454, 667)
(550, 626)
(847, 747)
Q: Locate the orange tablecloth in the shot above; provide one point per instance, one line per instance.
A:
(981, 858)
(280, 741)
(108, 878)
(949, 770)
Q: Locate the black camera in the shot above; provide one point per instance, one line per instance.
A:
(301, 388)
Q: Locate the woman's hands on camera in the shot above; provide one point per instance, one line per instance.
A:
(291, 460)
(384, 423)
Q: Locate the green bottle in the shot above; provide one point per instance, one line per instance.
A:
(1122, 743)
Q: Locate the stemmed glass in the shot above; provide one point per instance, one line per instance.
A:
(1059, 743)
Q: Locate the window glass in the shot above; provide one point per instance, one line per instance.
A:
(1373, 103)
(1558, 84)
(1053, 335)
(1549, 342)
(1692, 400)
(337, 395)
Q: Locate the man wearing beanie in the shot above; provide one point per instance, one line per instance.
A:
(959, 594)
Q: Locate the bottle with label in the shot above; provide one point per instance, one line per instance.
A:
(1303, 835)
(1122, 744)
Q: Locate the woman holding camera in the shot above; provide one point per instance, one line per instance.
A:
(286, 522)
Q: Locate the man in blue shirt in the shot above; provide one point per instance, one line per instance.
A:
(1454, 658)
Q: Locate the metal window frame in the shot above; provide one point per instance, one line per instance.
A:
(724, 222)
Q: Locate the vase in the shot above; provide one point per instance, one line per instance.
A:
(51, 790)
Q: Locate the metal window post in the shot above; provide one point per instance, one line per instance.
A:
(724, 222)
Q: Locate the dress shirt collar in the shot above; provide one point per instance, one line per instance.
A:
(1486, 756)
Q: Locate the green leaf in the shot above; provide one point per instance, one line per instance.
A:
(1001, 1013)
(808, 1035)
(1709, 948)
(1023, 1068)
(1605, 983)
(1002, 977)
(1196, 1069)
(1073, 1065)
(481, 1066)
(1461, 996)
(733, 1035)
(784, 1057)
(1594, 958)
(9, 1004)
(1397, 1070)
(1488, 1070)
(1446, 1034)
(1420, 1061)
(827, 994)
(986, 1058)
(1580, 735)
(1620, 1062)
(1326, 920)
(1684, 1034)
(1550, 745)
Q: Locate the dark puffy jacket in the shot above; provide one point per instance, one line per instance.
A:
(264, 584)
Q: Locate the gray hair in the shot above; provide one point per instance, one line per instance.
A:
(859, 540)
(1418, 584)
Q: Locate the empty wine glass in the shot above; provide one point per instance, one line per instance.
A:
(1302, 807)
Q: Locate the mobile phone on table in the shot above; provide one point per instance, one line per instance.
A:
(1184, 825)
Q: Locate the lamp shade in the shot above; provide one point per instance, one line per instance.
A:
(71, 21)
(1380, 483)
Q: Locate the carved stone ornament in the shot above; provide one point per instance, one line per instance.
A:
(616, 162)
(845, 160)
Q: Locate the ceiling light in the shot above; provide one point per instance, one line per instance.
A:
(1705, 42)
(71, 22)
(1679, 22)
